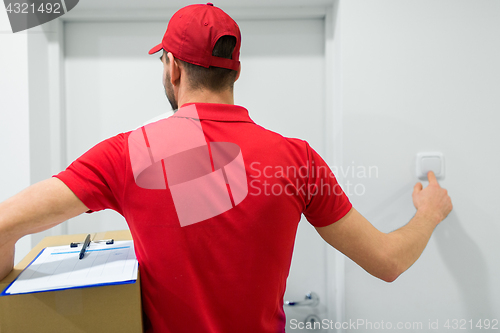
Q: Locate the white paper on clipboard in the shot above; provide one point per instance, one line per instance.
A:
(59, 267)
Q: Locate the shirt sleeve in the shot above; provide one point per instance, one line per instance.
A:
(326, 202)
(97, 177)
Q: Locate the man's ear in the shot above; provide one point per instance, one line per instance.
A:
(238, 72)
(175, 72)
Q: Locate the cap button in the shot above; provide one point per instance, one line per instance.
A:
(210, 4)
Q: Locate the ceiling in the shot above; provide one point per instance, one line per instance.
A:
(176, 4)
(98, 10)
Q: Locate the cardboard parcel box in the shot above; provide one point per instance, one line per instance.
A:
(111, 308)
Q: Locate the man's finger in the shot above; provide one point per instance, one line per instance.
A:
(417, 188)
(432, 178)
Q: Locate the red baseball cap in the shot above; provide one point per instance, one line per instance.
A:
(192, 33)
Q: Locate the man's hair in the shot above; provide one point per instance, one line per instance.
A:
(214, 78)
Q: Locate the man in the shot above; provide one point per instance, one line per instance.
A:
(213, 239)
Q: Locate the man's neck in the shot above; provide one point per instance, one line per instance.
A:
(206, 96)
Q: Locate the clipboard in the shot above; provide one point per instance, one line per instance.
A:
(59, 268)
(111, 308)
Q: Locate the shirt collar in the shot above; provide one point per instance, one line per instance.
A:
(217, 112)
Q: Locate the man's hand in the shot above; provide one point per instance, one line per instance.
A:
(37, 208)
(433, 201)
(383, 255)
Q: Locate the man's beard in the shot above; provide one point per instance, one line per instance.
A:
(169, 91)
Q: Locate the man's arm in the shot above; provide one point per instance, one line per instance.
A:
(37, 208)
(383, 255)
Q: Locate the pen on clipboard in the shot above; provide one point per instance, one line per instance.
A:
(84, 247)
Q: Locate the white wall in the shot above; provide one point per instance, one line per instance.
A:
(424, 76)
(31, 113)
(14, 118)
(46, 108)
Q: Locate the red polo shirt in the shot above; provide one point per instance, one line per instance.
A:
(227, 272)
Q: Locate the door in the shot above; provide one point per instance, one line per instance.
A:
(114, 86)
